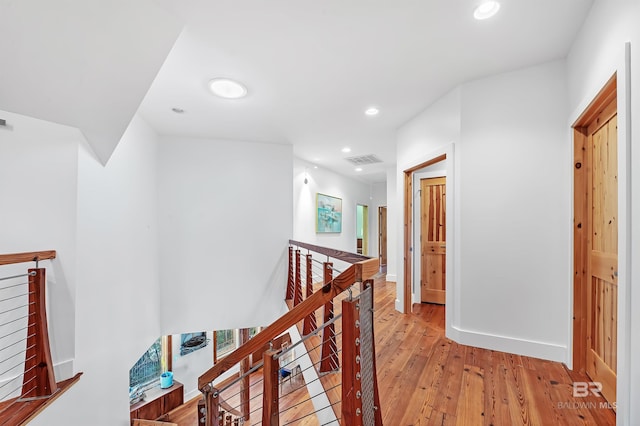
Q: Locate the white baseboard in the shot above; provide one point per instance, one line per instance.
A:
(392, 278)
(63, 370)
(530, 348)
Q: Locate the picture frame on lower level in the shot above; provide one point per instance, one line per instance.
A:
(328, 214)
(190, 342)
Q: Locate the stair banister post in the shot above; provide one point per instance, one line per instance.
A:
(245, 384)
(211, 404)
(351, 365)
(310, 321)
(270, 395)
(329, 358)
(297, 294)
(289, 295)
(39, 379)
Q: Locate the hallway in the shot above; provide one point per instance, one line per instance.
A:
(426, 379)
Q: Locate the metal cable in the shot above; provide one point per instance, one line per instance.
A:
(18, 319)
(309, 399)
(15, 285)
(310, 414)
(17, 331)
(16, 342)
(15, 297)
(29, 274)
(18, 365)
(17, 353)
(19, 307)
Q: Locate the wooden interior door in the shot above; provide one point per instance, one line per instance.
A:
(595, 310)
(382, 235)
(602, 282)
(432, 240)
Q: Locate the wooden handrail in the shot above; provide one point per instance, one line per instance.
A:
(357, 272)
(8, 259)
(345, 256)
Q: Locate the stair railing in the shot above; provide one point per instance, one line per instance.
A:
(26, 369)
(303, 307)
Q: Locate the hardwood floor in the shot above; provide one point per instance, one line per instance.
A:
(426, 379)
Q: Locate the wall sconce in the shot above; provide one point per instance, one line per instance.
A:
(306, 181)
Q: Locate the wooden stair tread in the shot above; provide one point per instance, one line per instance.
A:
(16, 412)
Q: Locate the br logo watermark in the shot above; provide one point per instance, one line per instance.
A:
(583, 389)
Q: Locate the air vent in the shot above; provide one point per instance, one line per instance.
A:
(364, 160)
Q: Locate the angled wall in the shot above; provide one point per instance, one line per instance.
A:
(225, 220)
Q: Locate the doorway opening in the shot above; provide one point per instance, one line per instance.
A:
(595, 241)
(362, 229)
(409, 238)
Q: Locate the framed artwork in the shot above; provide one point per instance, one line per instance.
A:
(190, 342)
(328, 214)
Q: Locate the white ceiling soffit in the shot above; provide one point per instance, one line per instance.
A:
(82, 63)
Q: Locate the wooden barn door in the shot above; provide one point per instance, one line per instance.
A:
(432, 240)
(596, 258)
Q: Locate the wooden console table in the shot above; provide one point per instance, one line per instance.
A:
(158, 402)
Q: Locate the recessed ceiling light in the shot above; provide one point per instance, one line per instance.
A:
(227, 88)
(486, 10)
(177, 110)
(346, 149)
(358, 169)
(372, 111)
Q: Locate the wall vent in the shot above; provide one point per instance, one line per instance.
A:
(363, 160)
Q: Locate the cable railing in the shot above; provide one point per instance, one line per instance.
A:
(27, 380)
(323, 373)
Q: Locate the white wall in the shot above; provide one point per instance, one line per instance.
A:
(38, 191)
(511, 223)
(117, 307)
(225, 219)
(598, 53)
(378, 199)
(352, 193)
(424, 137)
(515, 212)
(394, 214)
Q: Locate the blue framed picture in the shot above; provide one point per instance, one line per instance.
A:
(329, 214)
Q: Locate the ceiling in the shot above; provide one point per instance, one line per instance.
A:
(311, 67)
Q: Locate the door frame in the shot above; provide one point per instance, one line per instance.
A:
(581, 237)
(444, 154)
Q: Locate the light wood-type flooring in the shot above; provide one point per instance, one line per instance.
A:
(426, 379)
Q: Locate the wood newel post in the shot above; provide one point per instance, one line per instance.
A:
(329, 358)
(310, 321)
(39, 378)
(290, 278)
(212, 404)
(244, 383)
(270, 396)
(297, 295)
(351, 365)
